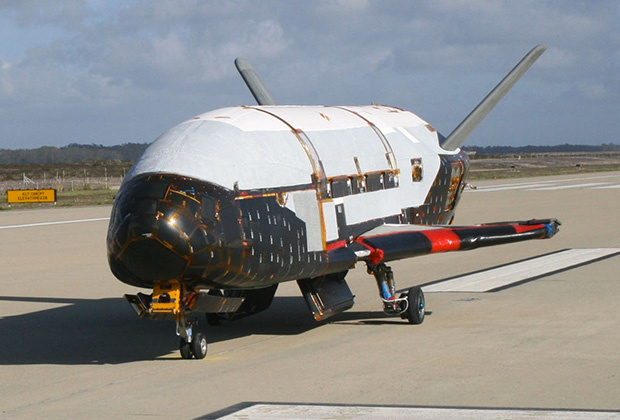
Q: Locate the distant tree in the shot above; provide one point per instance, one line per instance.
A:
(562, 148)
(73, 153)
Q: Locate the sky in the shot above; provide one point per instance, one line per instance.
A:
(112, 72)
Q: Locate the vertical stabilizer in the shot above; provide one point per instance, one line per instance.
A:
(256, 86)
(464, 129)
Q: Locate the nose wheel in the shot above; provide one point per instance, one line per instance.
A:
(197, 348)
(191, 345)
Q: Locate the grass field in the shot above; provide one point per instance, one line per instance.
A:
(83, 197)
(77, 184)
(502, 173)
(515, 166)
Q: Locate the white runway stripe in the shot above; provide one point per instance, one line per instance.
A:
(496, 278)
(62, 222)
(522, 186)
(565, 187)
(558, 184)
(311, 411)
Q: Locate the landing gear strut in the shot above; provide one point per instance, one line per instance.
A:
(172, 298)
(409, 305)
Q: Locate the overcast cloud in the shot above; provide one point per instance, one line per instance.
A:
(111, 72)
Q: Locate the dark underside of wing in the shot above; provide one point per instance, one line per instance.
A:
(393, 242)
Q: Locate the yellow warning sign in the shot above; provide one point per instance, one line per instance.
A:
(31, 196)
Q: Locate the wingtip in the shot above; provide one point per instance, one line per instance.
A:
(552, 226)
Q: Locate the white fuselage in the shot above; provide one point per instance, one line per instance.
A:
(266, 147)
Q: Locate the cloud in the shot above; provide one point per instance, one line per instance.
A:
(148, 64)
(593, 91)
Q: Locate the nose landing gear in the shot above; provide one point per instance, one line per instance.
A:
(190, 345)
(171, 299)
(409, 305)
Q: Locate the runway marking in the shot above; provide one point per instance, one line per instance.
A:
(553, 184)
(62, 222)
(501, 277)
(517, 186)
(565, 187)
(311, 411)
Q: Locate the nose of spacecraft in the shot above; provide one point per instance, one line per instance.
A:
(151, 233)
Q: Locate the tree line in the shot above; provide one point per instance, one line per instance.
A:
(561, 148)
(76, 153)
(73, 153)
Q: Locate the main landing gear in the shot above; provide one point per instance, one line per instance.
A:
(409, 305)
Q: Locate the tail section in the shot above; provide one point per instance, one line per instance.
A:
(256, 86)
(464, 129)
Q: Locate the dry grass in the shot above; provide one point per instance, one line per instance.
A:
(77, 184)
(68, 199)
(93, 183)
(513, 166)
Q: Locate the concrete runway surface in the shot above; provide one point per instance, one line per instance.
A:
(70, 346)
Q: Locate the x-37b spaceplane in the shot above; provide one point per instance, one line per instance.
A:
(225, 206)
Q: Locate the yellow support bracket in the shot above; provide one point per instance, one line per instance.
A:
(167, 297)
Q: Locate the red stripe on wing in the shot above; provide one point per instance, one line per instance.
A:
(443, 240)
(527, 228)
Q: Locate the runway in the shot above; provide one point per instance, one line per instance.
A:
(72, 347)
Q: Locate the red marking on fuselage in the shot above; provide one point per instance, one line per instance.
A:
(376, 255)
(336, 244)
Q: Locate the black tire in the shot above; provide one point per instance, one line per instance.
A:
(415, 310)
(199, 346)
(186, 349)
